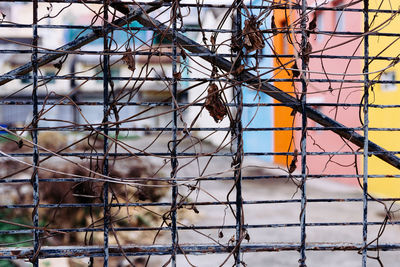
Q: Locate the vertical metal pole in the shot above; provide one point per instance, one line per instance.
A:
(35, 178)
(174, 160)
(365, 128)
(106, 65)
(239, 139)
(303, 142)
(74, 97)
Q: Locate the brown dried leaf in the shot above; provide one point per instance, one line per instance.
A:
(247, 237)
(212, 40)
(214, 103)
(292, 166)
(129, 60)
(308, 48)
(58, 65)
(253, 38)
(239, 70)
(177, 75)
(307, 52)
(183, 54)
(235, 44)
(20, 143)
(273, 26)
(313, 24)
(220, 234)
(295, 70)
(195, 209)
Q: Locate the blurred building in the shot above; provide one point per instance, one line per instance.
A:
(255, 115)
(258, 119)
(80, 77)
(385, 91)
(330, 79)
(333, 79)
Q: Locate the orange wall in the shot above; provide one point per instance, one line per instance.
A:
(282, 117)
(318, 140)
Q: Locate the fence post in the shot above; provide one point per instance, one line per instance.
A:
(365, 130)
(35, 177)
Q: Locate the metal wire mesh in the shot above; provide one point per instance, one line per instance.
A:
(192, 133)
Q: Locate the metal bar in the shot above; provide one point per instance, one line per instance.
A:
(238, 134)
(159, 53)
(167, 4)
(303, 140)
(86, 27)
(79, 42)
(199, 104)
(207, 178)
(106, 74)
(188, 29)
(90, 78)
(173, 152)
(210, 203)
(186, 155)
(183, 155)
(199, 227)
(276, 93)
(166, 154)
(208, 129)
(365, 130)
(132, 250)
(35, 179)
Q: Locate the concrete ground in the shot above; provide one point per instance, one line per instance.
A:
(260, 214)
(275, 213)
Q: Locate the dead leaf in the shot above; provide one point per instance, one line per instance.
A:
(292, 166)
(239, 70)
(235, 44)
(58, 65)
(212, 39)
(195, 209)
(273, 26)
(177, 75)
(253, 38)
(295, 70)
(214, 103)
(129, 60)
(183, 54)
(307, 52)
(247, 237)
(312, 25)
(220, 234)
(20, 143)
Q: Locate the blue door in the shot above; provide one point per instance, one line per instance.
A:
(259, 141)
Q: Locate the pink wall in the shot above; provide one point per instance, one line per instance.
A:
(320, 141)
